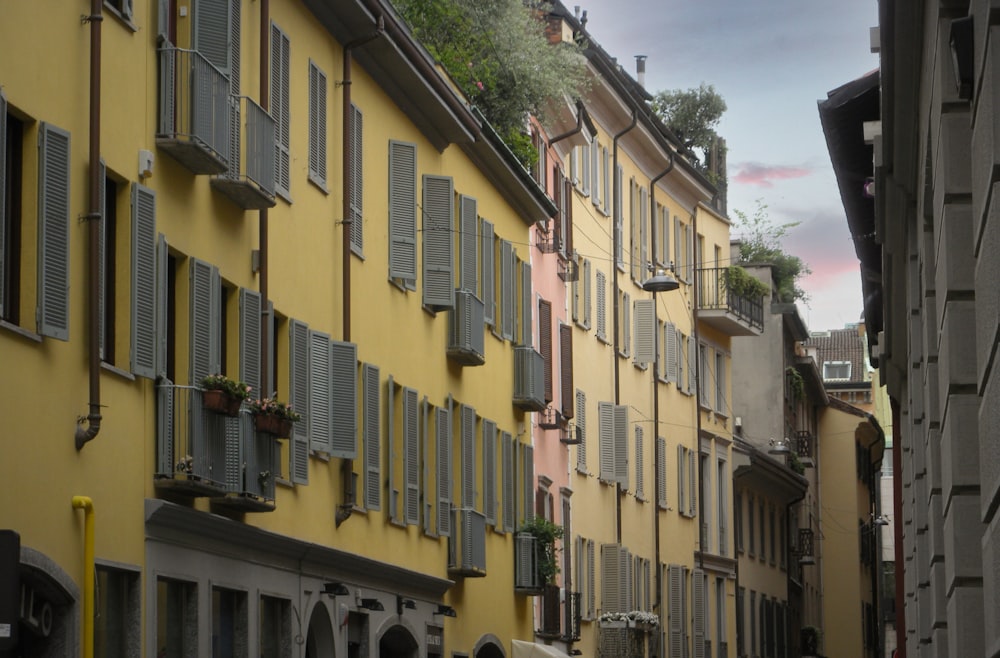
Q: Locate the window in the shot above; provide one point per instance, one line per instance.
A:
(275, 637)
(720, 615)
(581, 431)
(763, 538)
(753, 623)
(836, 370)
(176, 618)
(116, 613)
(467, 437)
(11, 177)
(402, 213)
(720, 383)
(751, 528)
(122, 8)
(645, 326)
(438, 242)
(661, 469)
(317, 126)
(527, 479)
(616, 583)
(527, 304)
(489, 429)
(585, 567)
(677, 610)
(507, 497)
(613, 438)
(280, 109)
(771, 524)
(545, 345)
(357, 182)
(229, 623)
(738, 520)
(722, 500)
(108, 247)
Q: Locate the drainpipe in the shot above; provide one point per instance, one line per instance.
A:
(262, 224)
(347, 467)
(697, 378)
(897, 529)
(656, 400)
(87, 505)
(83, 435)
(572, 131)
(614, 288)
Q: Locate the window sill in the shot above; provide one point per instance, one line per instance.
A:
(20, 331)
(319, 183)
(114, 370)
(127, 22)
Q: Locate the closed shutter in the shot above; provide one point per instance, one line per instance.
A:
(560, 217)
(489, 277)
(664, 242)
(692, 360)
(621, 445)
(626, 326)
(606, 438)
(640, 480)
(661, 470)
(507, 290)
(357, 181)
(675, 603)
(619, 220)
(411, 455)
(320, 403)
(490, 471)
(250, 324)
(528, 481)
(602, 306)
(681, 479)
(587, 295)
(678, 253)
(568, 220)
(372, 437)
(344, 371)
(442, 422)
(699, 598)
(581, 431)
(670, 347)
(438, 212)
(390, 443)
(317, 126)
(298, 397)
(144, 335)
(633, 227)
(403, 212)
(566, 369)
(507, 502)
(591, 579)
(211, 32)
(545, 345)
(468, 220)
(205, 318)
(643, 234)
(53, 232)
(280, 108)
(692, 486)
(527, 301)
(162, 291)
(611, 586)
(3, 204)
(468, 439)
(645, 328)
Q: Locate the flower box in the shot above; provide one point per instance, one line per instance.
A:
(274, 425)
(221, 402)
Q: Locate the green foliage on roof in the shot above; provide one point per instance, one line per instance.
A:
(761, 244)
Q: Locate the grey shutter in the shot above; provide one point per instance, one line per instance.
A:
(344, 387)
(602, 306)
(621, 444)
(633, 228)
(645, 331)
(566, 369)
(211, 32)
(442, 423)
(3, 202)
(205, 319)
(699, 601)
(390, 442)
(320, 404)
(507, 290)
(692, 485)
(234, 50)
(606, 438)
(317, 125)
(682, 507)
(545, 345)
(411, 456)
(528, 481)
(640, 480)
(298, 397)
(144, 235)
(438, 207)
(661, 471)
(489, 273)
(586, 294)
(357, 180)
(507, 503)
(670, 347)
(591, 577)
(490, 471)
(372, 437)
(251, 312)
(678, 264)
(620, 255)
(581, 430)
(467, 239)
(53, 232)
(643, 234)
(468, 438)
(102, 249)
(162, 291)
(611, 585)
(428, 494)
(527, 302)
(692, 361)
(675, 603)
(280, 108)
(626, 326)
(403, 212)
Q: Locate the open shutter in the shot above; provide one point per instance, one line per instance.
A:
(602, 306)
(626, 325)
(251, 308)
(102, 249)
(468, 219)
(645, 331)
(692, 362)
(162, 291)
(372, 437)
(357, 180)
(581, 431)
(611, 577)
(298, 397)
(490, 471)
(545, 345)
(619, 220)
(211, 32)
(317, 125)
(468, 456)
(442, 422)
(699, 601)
(507, 448)
(144, 334)
(53, 232)
(670, 346)
(280, 108)
(528, 481)
(527, 302)
(320, 404)
(489, 273)
(403, 212)
(566, 369)
(643, 234)
(621, 445)
(205, 318)
(606, 438)
(675, 603)
(507, 290)
(438, 207)
(587, 295)
(661, 471)
(344, 387)
(682, 507)
(3, 203)
(692, 485)
(640, 480)
(411, 455)
(390, 442)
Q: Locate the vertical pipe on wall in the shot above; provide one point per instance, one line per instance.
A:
(262, 225)
(87, 505)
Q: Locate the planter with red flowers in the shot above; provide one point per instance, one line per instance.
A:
(223, 395)
(273, 417)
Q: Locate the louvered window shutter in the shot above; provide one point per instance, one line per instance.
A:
(507, 290)
(427, 444)
(144, 335)
(357, 181)
(640, 480)
(645, 328)
(528, 470)
(595, 167)
(670, 346)
(53, 232)
(580, 569)
(587, 296)
(205, 320)
(507, 504)
(403, 212)
(682, 507)
(438, 215)
(621, 444)
(280, 107)
(643, 234)
(102, 259)
(317, 126)
(568, 218)
(664, 243)
(692, 485)
(442, 421)
(298, 397)
(611, 588)
(545, 344)
(699, 601)
(626, 579)
(371, 426)
(606, 438)
(661, 470)
(678, 263)
(619, 219)
(320, 402)
(633, 227)
(3, 205)
(692, 361)
(591, 578)
(468, 240)
(566, 369)
(626, 324)
(489, 277)
(250, 319)
(581, 431)
(490, 471)
(602, 306)
(162, 291)
(576, 308)
(391, 458)
(344, 387)
(675, 602)
(559, 196)
(211, 32)
(411, 455)
(468, 421)
(527, 302)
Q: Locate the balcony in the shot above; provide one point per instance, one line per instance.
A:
(623, 640)
(467, 544)
(249, 180)
(804, 550)
(721, 305)
(194, 111)
(467, 331)
(527, 577)
(560, 614)
(529, 379)
(805, 446)
(202, 453)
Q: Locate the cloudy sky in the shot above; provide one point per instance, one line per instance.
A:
(772, 61)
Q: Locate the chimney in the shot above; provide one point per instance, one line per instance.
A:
(640, 70)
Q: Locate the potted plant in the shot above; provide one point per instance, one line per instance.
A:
(545, 533)
(273, 417)
(810, 638)
(223, 395)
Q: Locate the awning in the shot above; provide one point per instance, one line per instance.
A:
(523, 649)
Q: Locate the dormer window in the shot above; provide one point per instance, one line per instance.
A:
(836, 370)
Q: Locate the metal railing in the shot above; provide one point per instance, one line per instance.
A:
(715, 293)
(251, 154)
(804, 444)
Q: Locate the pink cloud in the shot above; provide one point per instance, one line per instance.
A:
(763, 175)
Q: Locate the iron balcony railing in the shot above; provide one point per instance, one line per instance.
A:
(194, 118)
(527, 579)
(249, 180)
(715, 293)
(805, 444)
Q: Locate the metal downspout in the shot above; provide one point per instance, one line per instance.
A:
(571, 132)
(697, 379)
(94, 224)
(87, 505)
(262, 225)
(614, 285)
(897, 529)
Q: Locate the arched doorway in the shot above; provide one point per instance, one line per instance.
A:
(489, 650)
(319, 638)
(397, 642)
(49, 609)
